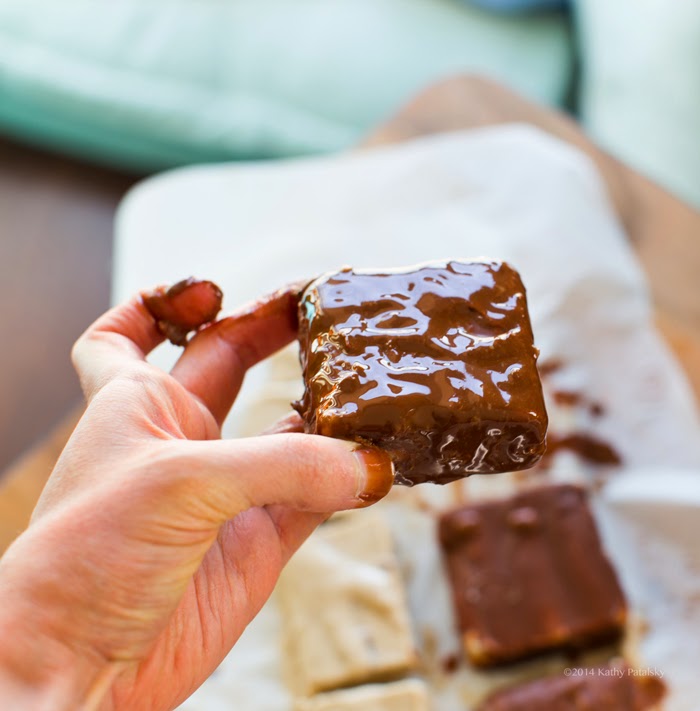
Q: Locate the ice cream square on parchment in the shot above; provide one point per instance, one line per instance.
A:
(435, 364)
(406, 695)
(529, 575)
(344, 609)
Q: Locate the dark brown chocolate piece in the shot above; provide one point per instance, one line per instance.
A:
(572, 398)
(528, 575)
(183, 307)
(610, 687)
(568, 398)
(434, 364)
(549, 367)
(586, 446)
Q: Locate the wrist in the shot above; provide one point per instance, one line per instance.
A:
(39, 671)
(34, 692)
(45, 683)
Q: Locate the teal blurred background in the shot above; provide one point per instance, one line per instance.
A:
(152, 84)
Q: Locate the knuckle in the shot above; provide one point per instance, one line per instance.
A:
(142, 378)
(166, 472)
(179, 480)
(316, 459)
(77, 351)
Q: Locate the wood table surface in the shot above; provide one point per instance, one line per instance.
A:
(664, 231)
(56, 216)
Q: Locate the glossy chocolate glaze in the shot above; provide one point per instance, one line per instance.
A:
(529, 575)
(435, 364)
(609, 687)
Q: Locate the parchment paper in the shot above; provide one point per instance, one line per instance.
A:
(509, 192)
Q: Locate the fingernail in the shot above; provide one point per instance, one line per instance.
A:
(377, 474)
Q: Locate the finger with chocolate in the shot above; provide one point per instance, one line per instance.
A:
(183, 307)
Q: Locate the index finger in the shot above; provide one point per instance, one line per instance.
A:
(215, 361)
(126, 334)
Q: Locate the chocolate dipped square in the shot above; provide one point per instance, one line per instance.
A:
(435, 364)
(529, 575)
(610, 687)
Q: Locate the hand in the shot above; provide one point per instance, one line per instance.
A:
(155, 542)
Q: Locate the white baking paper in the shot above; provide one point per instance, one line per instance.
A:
(510, 192)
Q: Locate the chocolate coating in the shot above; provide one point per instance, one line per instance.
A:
(529, 575)
(610, 687)
(435, 364)
(586, 446)
(183, 307)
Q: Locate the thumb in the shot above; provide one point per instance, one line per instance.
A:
(303, 472)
